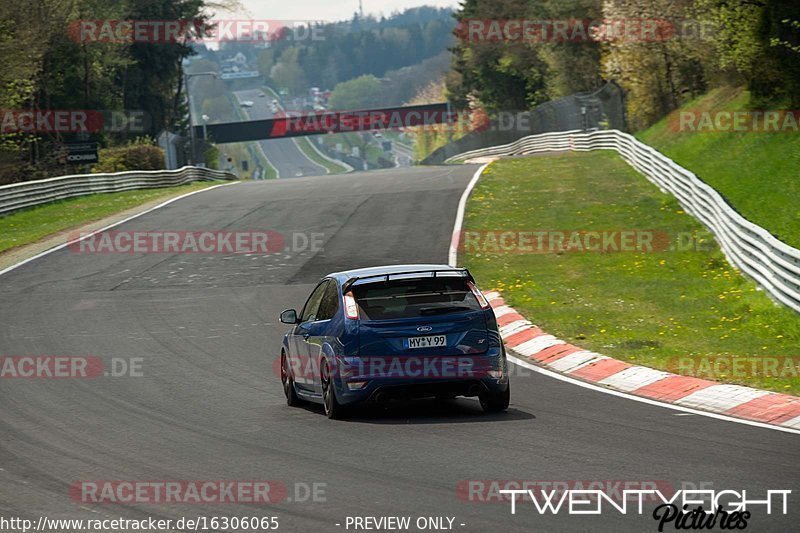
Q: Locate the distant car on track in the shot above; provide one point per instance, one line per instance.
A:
(404, 331)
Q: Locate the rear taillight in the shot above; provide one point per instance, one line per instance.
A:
(350, 307)
(479, 295)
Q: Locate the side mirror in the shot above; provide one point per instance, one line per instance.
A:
(289, 316)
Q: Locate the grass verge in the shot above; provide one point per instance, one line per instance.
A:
(305, 146)
(756, 172)
(252, 149)
(269, 171)
(666, 309)
(31, 225)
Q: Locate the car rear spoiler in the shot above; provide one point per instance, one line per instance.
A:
(460, 272)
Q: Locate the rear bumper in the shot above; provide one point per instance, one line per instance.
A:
(378, 392)
(466, 388)
(355, 388)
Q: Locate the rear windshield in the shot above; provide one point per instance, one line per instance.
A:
(409, 298)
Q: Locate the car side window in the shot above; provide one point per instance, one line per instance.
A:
(311, 309)
(330, 302)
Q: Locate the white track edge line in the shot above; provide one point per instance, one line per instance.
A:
(452, 255)
(584, 384)
(137, 215)
(452, 258)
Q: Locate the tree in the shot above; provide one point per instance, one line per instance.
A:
(49, 66)
(747, 40)
(658, 74)
(154, 80)
(363, 92)
(501, 74)
(266, 61)
(287, 73)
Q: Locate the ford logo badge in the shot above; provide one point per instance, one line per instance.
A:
(424, 328)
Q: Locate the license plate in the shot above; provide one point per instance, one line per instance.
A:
(429, 341)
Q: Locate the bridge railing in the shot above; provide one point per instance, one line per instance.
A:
(26, 194)
(773, 264)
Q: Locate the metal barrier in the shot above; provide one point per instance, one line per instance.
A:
(604, 107)
(773, 264)
(32, 193)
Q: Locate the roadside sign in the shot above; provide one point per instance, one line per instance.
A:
(79, 153)
(240, 75)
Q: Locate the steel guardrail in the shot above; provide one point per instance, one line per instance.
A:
(17, 196)
(773, 264)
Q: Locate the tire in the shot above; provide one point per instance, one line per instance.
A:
(333, 409)
(495, 402)
(292, 399)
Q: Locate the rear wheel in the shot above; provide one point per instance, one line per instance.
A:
(333, 409)
(494, 402)
(292, 399)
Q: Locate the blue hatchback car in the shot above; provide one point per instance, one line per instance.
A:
(403, 331)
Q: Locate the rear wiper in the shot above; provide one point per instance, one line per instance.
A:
(442, 310)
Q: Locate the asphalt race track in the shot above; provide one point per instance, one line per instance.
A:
(210, 407)
(283, 154)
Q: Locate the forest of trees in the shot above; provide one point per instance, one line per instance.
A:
(360, 46)
(389, 60)
(46, 68)
(752, 43)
